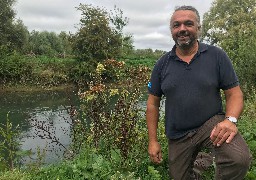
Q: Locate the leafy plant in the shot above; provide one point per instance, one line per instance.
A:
(9, 154)
(112, 127)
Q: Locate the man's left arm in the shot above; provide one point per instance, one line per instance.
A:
(226, 130)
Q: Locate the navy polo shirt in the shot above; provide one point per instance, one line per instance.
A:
(192, 91)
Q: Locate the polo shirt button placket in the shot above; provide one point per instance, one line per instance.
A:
(188, 67)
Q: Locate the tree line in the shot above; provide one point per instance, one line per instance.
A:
(99, 36)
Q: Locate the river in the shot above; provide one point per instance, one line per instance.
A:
(43, 117)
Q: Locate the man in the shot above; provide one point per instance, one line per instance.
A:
(190, 77)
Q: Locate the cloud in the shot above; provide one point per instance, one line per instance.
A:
(148, 20)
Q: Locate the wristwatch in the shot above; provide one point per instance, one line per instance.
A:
(232, 119)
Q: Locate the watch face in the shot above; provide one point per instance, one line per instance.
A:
(232, 119)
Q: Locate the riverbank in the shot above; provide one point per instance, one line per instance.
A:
(29, 88)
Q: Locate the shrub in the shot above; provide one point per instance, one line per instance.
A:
(9, 152)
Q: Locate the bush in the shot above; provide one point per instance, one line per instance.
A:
(247, 127)
(15, 68)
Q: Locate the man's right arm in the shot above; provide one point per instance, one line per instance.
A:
(152, 117)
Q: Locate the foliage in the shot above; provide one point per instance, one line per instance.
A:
(9, 146)
(113, 70)
(112, 126)
(6, 18)
(143, 54)
(141, 62)
(38, 71)
(88, 165)
(231, 25)
(66, 44)
(14, 68)
(80, 72)
(13, 175)
(247, 127)
(46, 71)
(7, 13)
(100, 34)
(127, 45)
(48, 44)
(49, 72)
(13, 34)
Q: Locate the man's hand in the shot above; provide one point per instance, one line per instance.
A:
(154, 150)
(224, 131)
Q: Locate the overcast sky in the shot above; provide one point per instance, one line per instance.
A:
(148, 19)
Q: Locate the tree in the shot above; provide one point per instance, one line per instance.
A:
(19, 36)
(6, 18)
(100, 34)
(127, 45)
(13, 33)
(231, 24)
(65, 41)
(45, 43)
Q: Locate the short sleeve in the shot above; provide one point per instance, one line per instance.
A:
(228, 77)
(154, 85)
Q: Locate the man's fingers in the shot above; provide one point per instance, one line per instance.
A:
(223, 132)
(215, 132)
(221, 139)
(160, 158)
(231, 136)
(211, 136)
(157, 158)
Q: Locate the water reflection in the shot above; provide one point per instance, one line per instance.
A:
(49, 130)
(44, 119)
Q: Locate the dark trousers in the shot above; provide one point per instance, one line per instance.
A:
(186, 162)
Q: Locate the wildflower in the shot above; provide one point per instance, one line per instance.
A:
(113, 92)
(100, 68)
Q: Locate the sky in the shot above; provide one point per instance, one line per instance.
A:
(148, 19)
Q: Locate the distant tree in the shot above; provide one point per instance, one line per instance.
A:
(65, 41)
(127, 45)
(144, 53)
(45, 43)
(13, 33)
(99, 36)
(231, 24)
(158, 53)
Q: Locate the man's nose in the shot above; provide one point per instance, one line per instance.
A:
(183, 27)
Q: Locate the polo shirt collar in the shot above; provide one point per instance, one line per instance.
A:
(202, 47)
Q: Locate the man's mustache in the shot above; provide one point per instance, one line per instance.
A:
(183, 33)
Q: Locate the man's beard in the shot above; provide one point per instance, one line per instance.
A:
(185, 44)
(188, 43)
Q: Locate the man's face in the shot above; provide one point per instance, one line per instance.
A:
(184, 28)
